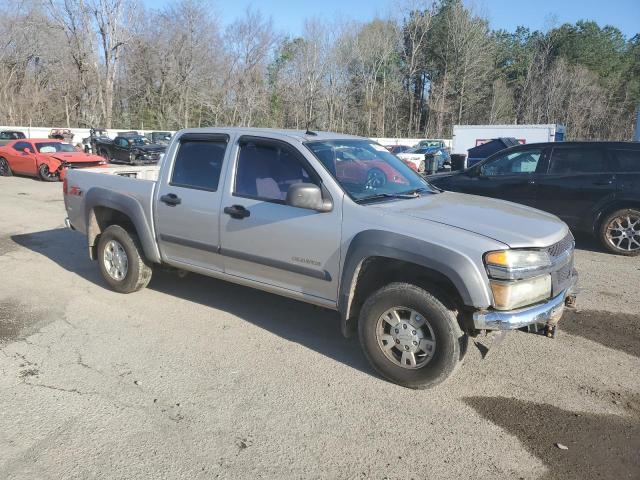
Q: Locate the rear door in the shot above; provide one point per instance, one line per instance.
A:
(269, 242)
(577, 181)
(187, 204)
(508, 176)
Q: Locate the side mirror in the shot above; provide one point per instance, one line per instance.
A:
(309, 196)
(26, 150)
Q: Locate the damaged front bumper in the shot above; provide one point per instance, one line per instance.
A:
(546, 314)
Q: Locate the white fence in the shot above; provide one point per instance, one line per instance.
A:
(78, 133)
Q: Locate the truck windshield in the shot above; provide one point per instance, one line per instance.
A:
(366, 170)
(139, 141)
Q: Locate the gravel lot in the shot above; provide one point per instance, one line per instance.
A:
(197, 378)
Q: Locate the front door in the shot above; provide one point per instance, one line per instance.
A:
(267, 241)
(120, 149)
(510, 176)
(188, 202)
(20, 161)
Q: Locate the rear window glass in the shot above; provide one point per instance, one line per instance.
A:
(578, 160)
(198, 164)
(628, 160)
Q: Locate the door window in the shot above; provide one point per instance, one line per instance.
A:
(521, 162)
(577, 160)
(628, 160)
(198, 164)
(122, 142)
(266, 171)
(20, 146)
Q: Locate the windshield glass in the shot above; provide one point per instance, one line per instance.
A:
(366, 170)
(430, 143)
(139, 140)
(53, 147)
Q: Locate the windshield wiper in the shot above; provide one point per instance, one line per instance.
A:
(379, 196)
(416, 191)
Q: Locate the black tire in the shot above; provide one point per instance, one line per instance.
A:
(139, 270)
(628, 242)
(46, 175)
(5, 169)
(450, 341)
(104, 154)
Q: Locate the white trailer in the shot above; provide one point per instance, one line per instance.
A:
(469, 136)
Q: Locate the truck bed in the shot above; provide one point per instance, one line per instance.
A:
(136, 182)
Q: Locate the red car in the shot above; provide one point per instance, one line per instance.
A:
(360, 166)
(44, 158)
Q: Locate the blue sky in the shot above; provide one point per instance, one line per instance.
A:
(288, 15)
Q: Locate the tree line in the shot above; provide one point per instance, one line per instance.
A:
(415, 73)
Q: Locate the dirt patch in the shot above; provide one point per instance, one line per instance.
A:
(599, 446)
(614, 330)
(7, 245)
(18, 320)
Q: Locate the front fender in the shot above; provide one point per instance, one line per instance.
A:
(468, 280)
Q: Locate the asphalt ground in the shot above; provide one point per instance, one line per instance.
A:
(196, 378)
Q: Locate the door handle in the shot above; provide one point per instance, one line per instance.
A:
(171, 199)
(604, 182)
(237, 211)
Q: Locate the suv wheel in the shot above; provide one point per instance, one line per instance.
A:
(121, 260)
(620, 232)
(409, 336)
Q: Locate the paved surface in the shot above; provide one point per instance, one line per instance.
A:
(196, 378)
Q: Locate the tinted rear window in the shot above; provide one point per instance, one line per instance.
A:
(578, 160)
(628, 160)
(198, 164)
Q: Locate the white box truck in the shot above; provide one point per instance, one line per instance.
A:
(469, 136)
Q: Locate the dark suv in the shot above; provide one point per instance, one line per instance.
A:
(593, 186)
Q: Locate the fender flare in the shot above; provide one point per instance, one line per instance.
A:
(459, 269)
(101, 197)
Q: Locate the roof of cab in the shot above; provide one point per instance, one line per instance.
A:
(299, 135)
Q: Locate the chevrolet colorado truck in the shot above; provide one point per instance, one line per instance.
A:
(415, 271)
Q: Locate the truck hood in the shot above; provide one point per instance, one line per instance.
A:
(151, 148)
(514, 225)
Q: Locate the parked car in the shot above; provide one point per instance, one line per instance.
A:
(593, 186)
(64, 134)
(132, 149)
(45, 158)
(396, 149)
(161, 138)
(95, 135)
(8, 135)
(415, 157)
(413, 270)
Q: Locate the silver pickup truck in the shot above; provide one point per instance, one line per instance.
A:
(336, 221)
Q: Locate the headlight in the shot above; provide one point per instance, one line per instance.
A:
(510, 295)
(516, 264)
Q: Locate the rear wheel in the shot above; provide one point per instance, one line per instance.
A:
(46, 175)
(5, 169)
(376, 178)
(409, 336)
(620, 232)
(121, 260)
(104, 154)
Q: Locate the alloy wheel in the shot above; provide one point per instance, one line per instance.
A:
(115, 259)
(405, 337)
(623, 232)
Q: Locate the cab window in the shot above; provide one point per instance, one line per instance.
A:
(198, 164)
(265, 171)
(20, 146)
(522, 162)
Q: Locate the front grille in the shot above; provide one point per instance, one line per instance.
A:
(83, 164)
(561, 278)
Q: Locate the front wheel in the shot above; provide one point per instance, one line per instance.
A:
(46, 175)
(121, 260)
(620, 232)
(409, 336)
